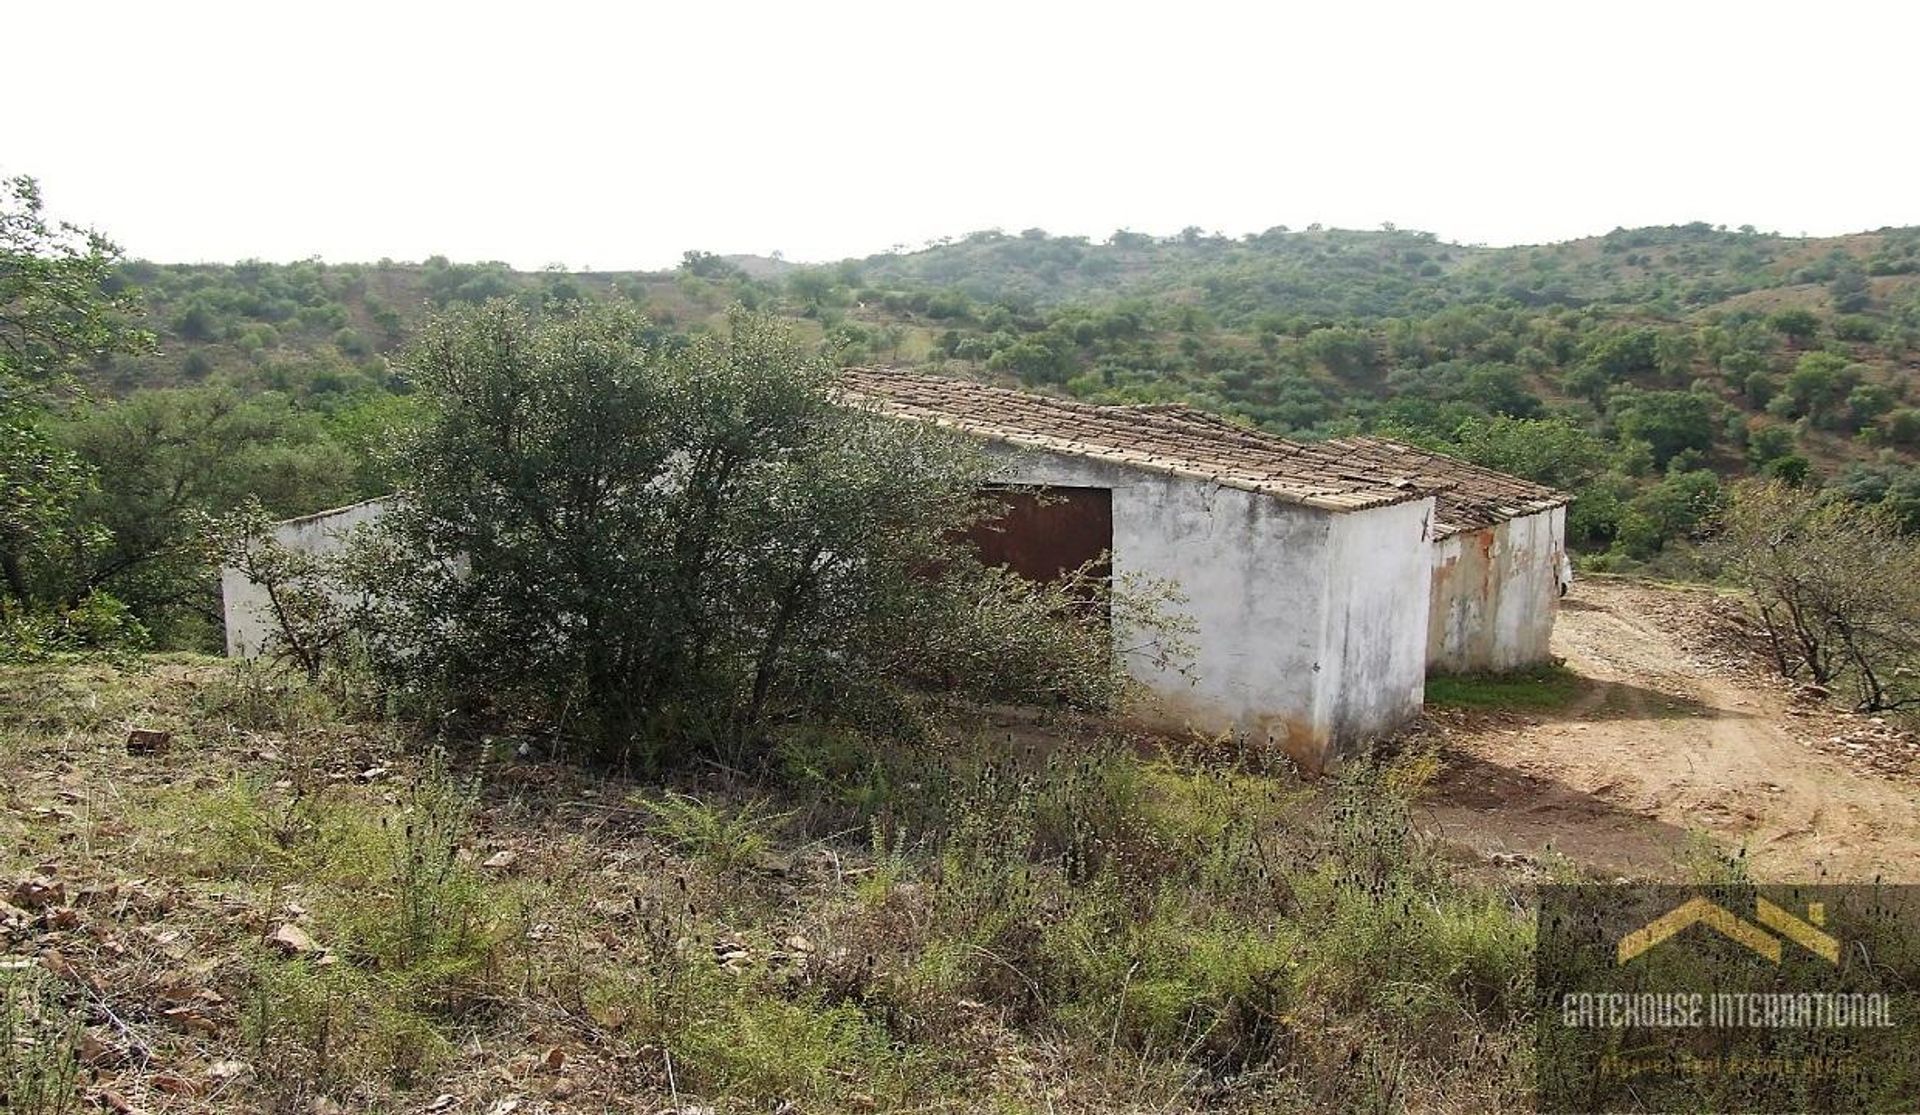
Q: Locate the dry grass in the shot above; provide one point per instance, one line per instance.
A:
(297, 907)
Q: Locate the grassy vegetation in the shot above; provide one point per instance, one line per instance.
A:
(299, 903)
(1545, 687)
(39, 1036)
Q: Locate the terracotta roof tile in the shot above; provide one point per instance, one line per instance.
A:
(1172, 439)
(1473, 497)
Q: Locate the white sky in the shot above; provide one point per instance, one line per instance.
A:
(619, 135)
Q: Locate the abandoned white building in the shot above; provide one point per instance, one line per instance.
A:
(1305, 576)
(1308, 571)
(1499, 559)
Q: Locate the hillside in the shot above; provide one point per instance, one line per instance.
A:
(1310, 331)
(1642, 370)
(674, 756)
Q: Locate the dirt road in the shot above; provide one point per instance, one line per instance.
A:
(1662, 752)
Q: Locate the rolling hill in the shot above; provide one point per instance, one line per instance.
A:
(1643, 368)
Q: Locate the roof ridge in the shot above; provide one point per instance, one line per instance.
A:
(1480, 496)
(1167, 437)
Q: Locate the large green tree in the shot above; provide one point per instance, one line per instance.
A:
(59, 307)
(163, 463)
(1670, 422)
(643, 542)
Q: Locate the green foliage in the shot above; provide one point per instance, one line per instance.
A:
(1849, 290)
(1796, 323)
(1168, 929)
(1030, 362)
(59, 307)
(39, 1045)
(1679, 506)
(1815, 389)
(1768, 443)
(1902, 427)
(760, 1047)
(1892, 486)
(316, 1031)
(59, 304)
(412, 933)
(162, 462)
(1792, 469)
(652, 544)
(1347, 353)
(1209, 910)
(1545, 687)
(41, 485)
(97, 623)
(1625, 356)
(103, 499)
(1305, 332)
(1552, 451)
(1856, 328)
(723, 839)
(1668, 422)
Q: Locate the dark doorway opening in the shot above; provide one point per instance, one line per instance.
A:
(1045, 533)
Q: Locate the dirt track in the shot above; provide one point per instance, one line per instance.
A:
(1660, 748)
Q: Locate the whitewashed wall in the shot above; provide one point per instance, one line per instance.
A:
(1496, 591)
(1376, 654)
(1310, 625)
(248, 613)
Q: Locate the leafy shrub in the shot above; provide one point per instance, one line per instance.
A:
(725, 839)
(647, 547)
(98, 624)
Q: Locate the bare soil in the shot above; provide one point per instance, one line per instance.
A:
(1678, 747)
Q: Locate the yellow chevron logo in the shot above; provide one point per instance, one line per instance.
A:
(1699, 911)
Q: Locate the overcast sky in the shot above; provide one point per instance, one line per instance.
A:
(621, 135)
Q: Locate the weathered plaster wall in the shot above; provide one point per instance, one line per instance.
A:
(248, 613)
(1283, 599)
(1495, 594)
(1374, 678)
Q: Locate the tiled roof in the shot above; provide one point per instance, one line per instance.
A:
(1473, 497)
(1171, 439)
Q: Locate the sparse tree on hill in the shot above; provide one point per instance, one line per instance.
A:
(1836, 585)
(1795, 322)
(1850, 290)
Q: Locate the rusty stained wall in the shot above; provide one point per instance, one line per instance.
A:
(1495, 593)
